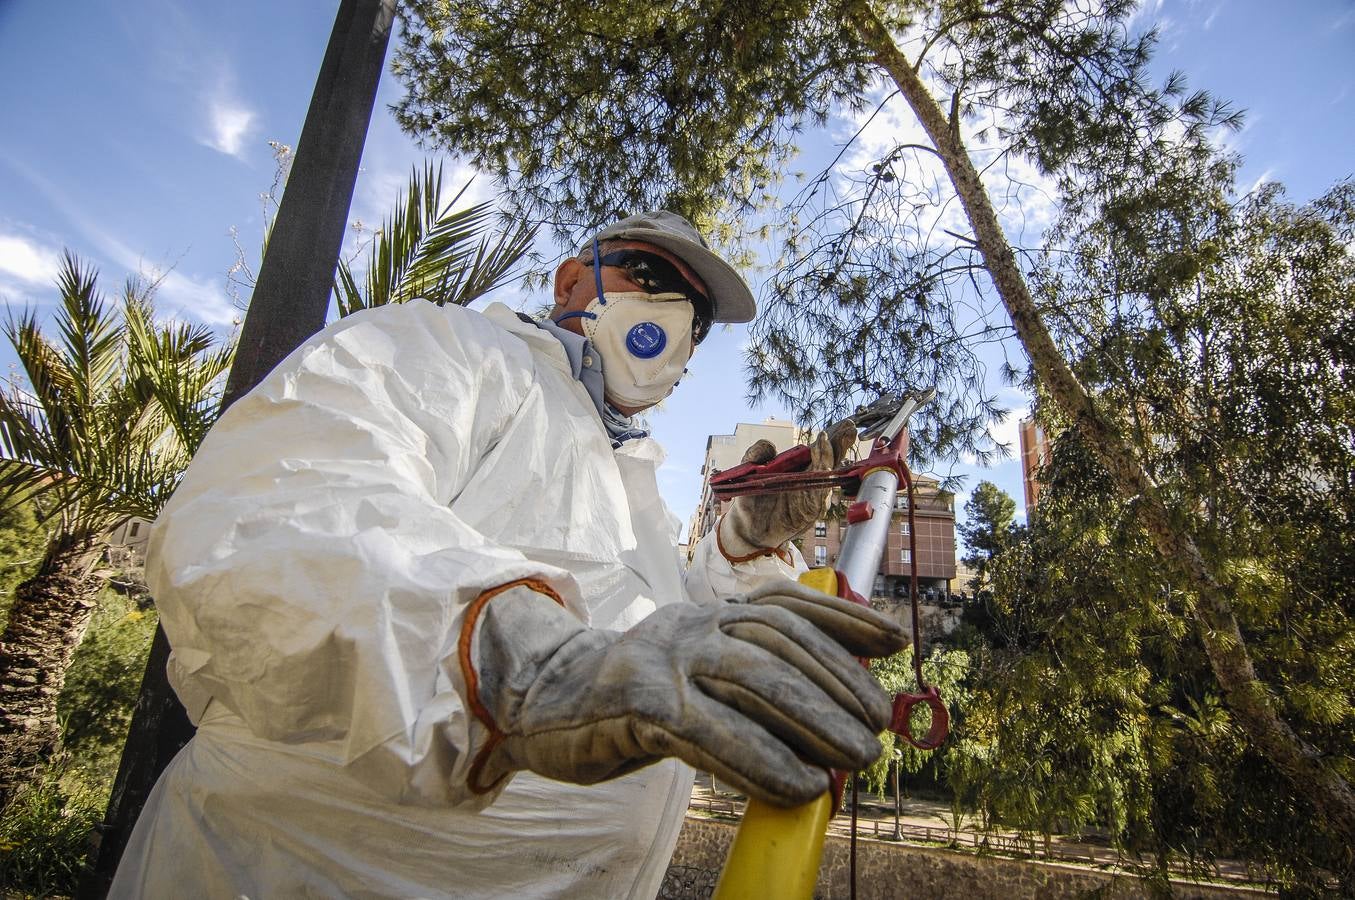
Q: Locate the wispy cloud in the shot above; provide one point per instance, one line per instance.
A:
(1008, 431)
(1266, 176)
(229, 124)
(197, 299)
(194, 298)
(27, 261)
(190, 59)
(1146, 12)
(1213, 14)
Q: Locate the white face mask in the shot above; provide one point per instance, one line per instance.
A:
(645, 341)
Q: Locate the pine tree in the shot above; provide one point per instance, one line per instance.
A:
(586, 111)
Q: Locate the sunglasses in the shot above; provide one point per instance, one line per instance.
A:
(656, 275)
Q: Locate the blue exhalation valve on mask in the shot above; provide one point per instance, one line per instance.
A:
(646, 340)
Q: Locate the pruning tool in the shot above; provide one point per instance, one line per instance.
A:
(776, 851)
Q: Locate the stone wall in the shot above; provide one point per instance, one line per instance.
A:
(888, 870)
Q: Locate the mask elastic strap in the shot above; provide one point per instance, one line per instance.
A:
(597, 272)
(597, 280)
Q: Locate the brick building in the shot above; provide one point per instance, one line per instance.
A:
(1034, 454)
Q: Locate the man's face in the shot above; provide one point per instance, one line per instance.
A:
(575, 287)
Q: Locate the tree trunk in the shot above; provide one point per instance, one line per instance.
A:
(50, 614)
(1215, 622)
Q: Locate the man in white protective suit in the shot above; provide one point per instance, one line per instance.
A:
(428, 615)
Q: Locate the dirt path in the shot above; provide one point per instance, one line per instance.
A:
(932, 822)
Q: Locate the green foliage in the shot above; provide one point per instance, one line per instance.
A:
(45, 833)
(1226, 371)
(21, 545)
(988, 528)
(113, 408)
(946, 670)
(428, 249)
(584, 113)
(591, 110)
(95, 706)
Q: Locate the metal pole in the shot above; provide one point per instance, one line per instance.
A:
(289, 305)
(864, 546)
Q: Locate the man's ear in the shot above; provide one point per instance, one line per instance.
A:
(566, 276)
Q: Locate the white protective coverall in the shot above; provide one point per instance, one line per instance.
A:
(311, 572)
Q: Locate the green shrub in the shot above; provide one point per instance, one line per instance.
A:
(45, 832)
(22, 541)
(95, 706)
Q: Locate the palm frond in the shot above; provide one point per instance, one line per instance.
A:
(179, 370)
(90, 342)
(427, 249)
(491, 266)
(114, 411)
(46, 372)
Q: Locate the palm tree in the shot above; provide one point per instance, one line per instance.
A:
(114, 409)
(427, 249)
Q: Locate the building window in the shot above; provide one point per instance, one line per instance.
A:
(820, 529)
(907, 555)
(136, 527)
(900, 501)
(903, 528)
(820, 555)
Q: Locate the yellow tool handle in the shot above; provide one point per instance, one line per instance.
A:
(776, 851)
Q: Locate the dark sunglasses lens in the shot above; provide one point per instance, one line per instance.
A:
(658, 276)
(653, 273)
(700, 328)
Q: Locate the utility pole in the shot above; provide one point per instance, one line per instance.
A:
(290, 300)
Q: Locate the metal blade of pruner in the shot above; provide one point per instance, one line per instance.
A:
(887, 416)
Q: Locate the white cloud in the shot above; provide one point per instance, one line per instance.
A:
(1008, 431)
(229, 124)
(1146, 13)
(1213, 14)
(195, 298)
(27, 261)
(198, 299)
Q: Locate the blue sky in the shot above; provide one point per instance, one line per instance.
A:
(137, 136)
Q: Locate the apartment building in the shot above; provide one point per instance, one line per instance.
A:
(1034, 454)
(933, 519)
(724, 451)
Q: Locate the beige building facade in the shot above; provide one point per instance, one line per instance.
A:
(933, 520)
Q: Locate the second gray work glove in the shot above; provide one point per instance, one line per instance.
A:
(759, 524)
(763, 690)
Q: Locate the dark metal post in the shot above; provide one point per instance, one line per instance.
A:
(289, 305)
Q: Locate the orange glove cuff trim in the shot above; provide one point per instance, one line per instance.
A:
(782, 554)
(463, 653)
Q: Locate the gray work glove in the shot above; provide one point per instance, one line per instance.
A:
(762, 690)
(755, 525)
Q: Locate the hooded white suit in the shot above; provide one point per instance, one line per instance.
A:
(312, 571)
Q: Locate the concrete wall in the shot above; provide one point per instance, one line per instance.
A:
(887, 870)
